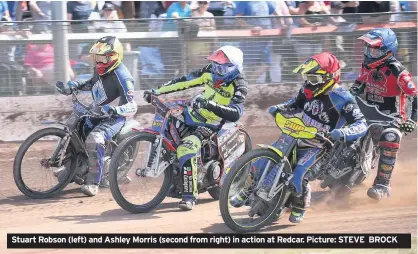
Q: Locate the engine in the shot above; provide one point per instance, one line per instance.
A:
(209, 174)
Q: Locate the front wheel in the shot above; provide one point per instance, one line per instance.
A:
(42, 150)
(131, 184)
(240, 196)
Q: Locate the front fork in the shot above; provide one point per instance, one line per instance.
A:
(62, 146)
(154, 166)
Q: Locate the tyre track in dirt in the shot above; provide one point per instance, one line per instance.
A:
(72, 212)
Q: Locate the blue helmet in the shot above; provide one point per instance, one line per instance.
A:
(380, 45)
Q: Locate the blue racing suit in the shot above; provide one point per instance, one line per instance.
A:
(337, 109)
(104, 90)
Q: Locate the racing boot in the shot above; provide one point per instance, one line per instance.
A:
(90, 189)
(300, 203)
(187, 203)
(378, 191)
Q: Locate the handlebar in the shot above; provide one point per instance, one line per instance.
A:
(323, 138)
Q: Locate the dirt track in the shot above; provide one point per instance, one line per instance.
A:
(72, 212)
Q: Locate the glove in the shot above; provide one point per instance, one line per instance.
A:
(65, 89)
(96, 111)
(356, 90)
(408, 126)
(336, 135)
(148, 95)
(278, 108)
(199, 102)
(109, 110)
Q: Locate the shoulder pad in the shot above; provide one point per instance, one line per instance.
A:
(123, 73)
(396, 67)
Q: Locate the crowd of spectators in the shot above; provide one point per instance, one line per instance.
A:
(264, 58)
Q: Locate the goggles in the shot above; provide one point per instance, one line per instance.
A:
(313, 79)
(373, 52)
(222, 69)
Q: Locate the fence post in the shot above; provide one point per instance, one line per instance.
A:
(60, 41)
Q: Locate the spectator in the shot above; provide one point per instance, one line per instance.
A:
(147, 8)
(4, 10)
(257, 54)
(310, 9)
(110, 25)
(39, 61)
(282, 9)
(293, 9)
(202, 13)
(179, 9)
(79, 10)
(350, 7)
(229, 11)
(41, 10)
(159, 12)
(376, 7)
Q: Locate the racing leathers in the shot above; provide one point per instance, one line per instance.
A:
(334, 110)
(388, 87)
(219, 103)
(104, 90)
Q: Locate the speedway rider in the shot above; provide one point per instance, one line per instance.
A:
(388, 85)
(222, 100)
(327, 106)
(111, 79)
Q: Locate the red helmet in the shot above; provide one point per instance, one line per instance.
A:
(321, 72)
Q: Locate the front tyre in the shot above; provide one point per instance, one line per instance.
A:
(39, 157)
(243, 177)
(120, 178)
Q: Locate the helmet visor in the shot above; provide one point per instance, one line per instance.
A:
(101, 59)
(373, 52)
(313, 79)
(222, 69)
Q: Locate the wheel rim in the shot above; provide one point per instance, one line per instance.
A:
(133, 186)
(38, 173)
(254, 206)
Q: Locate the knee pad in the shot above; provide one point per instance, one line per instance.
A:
(190, 145)
(389, 145)
(93, 139)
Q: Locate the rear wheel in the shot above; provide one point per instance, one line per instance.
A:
(240, 196)
(123, 178)
(33, 154)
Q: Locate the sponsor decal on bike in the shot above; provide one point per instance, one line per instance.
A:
(306, 157)
(227, 148)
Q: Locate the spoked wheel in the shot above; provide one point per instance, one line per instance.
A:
(36, 168)
(134, 188)
(242, 208)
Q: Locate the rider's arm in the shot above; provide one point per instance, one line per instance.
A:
(127, 105)
(234, 110)
(193, 79)
(359, 84)
(85, 85)
(357, 125)
(406, 84)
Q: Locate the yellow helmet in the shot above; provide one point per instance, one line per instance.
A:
(107, 54)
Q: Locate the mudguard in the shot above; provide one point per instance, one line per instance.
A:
(272, 148)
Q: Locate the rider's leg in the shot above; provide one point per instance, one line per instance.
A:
(389, 145)
(95, 146)
(301, 196)
(188, 154)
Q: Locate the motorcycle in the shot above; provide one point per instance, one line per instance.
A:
(68, 161)
(168, 129)
(264, 186)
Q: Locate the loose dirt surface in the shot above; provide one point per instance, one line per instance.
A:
(73, 213)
